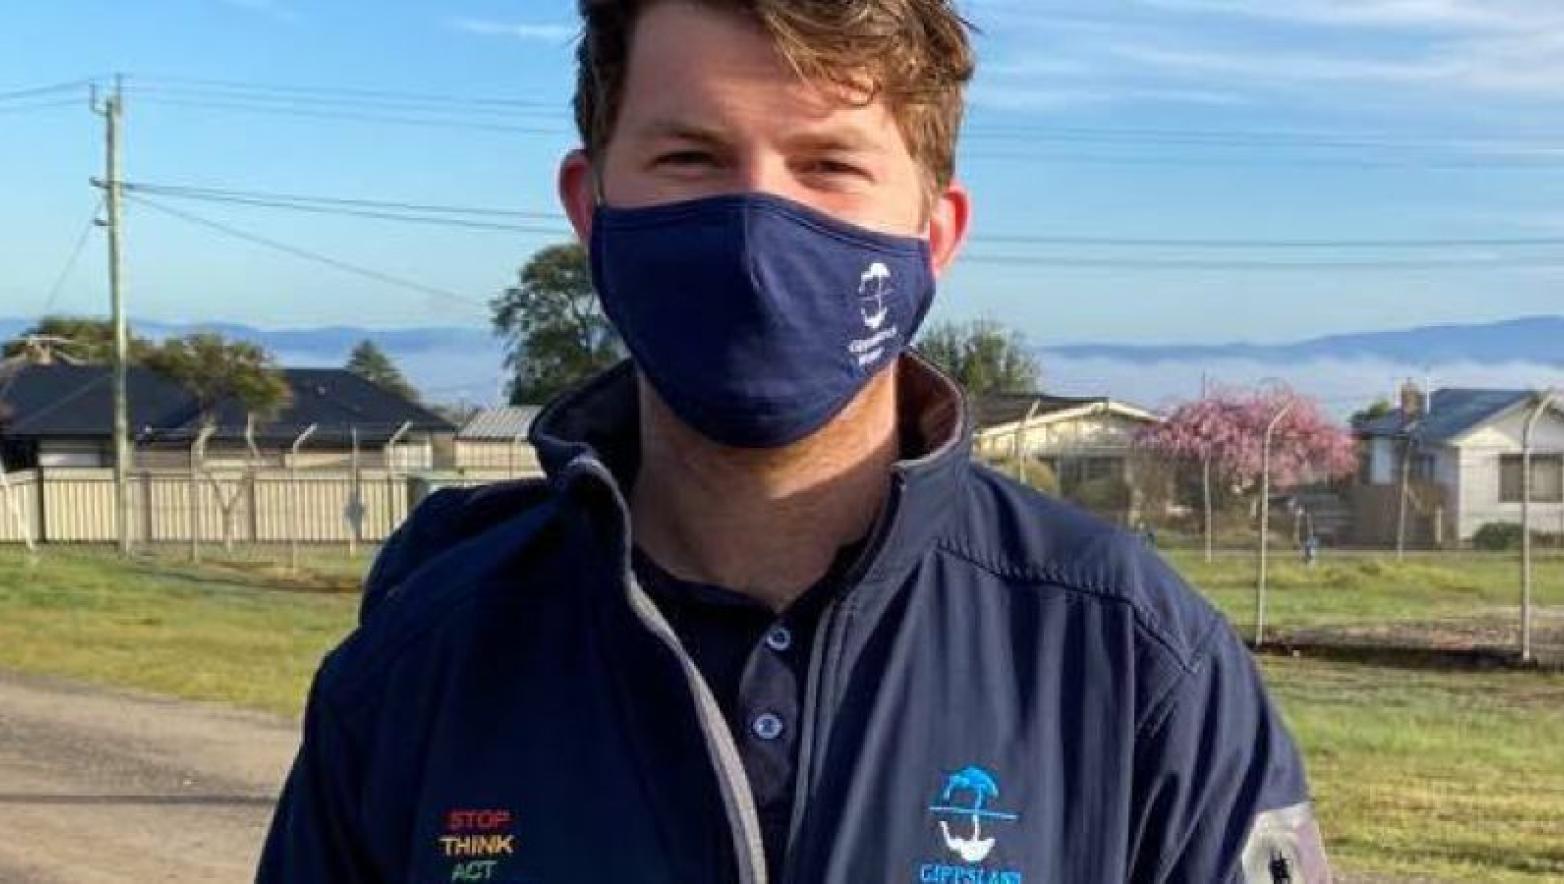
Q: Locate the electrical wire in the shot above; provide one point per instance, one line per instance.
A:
(425, 213)
(309, 255)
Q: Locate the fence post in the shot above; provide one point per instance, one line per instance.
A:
(1265, 521)
(355, 499)
(16, 511)
(1543, 400)
(193, 502)
(389, 451)
(294, 528)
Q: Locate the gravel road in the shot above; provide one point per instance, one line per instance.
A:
(109, 786)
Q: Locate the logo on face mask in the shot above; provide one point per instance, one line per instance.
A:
(873, 286)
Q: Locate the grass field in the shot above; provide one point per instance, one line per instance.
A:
(1425, 774)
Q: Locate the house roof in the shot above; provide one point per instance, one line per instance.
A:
(1451, 413)
(77, 401)
(996, 410)
(506, 423)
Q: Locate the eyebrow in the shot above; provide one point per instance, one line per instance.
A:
(838, 139)
(667, 127)
(846, 139)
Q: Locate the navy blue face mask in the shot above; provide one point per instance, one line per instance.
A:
(757, 319)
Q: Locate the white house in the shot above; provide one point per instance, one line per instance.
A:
(1468, 444)
(1081, 439)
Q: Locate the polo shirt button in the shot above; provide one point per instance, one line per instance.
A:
(779, 639)
(767, 726)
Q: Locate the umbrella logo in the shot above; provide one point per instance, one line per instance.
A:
(966, 798)
(873, 286)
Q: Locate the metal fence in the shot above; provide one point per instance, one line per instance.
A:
(257, 506)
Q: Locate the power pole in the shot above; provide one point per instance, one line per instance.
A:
(111, 109)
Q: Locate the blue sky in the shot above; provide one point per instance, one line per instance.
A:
(1133, 119)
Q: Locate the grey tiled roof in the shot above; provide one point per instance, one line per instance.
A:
(1451, 413)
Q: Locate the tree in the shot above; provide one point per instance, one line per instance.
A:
(1224, 433)
(983, 356)
(1378, 408)
(555, 331)
(372, 364)
(77, 339)
(213, 369)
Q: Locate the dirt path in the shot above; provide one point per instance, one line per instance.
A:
(106, 786)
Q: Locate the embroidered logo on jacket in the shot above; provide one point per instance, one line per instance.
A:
(477, 841)
(964, 806)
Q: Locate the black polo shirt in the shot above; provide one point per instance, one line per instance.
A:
(756, 662)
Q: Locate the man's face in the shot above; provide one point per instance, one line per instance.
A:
(710, 108)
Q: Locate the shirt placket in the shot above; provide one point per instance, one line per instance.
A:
(766, 723)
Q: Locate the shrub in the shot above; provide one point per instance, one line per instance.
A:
(1498, 536)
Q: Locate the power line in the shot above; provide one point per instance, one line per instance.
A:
(185, 190)
(393, 210)
(309, 255)
(375, 215)
(540, 111)
(70, 262)
(336, 115)
(44, 90)
(348, 92)
(39, 105)
(59, 282)
(1065, 263)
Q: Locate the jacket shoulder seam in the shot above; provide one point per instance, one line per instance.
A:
(1061, 578)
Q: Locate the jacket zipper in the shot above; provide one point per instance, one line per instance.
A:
(816, 723)
(733, 783)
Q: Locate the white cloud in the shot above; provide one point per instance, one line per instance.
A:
(1344, 385)
(1472, 15)
(1517, 65)
(546, 33)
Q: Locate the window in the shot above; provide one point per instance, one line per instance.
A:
(1547, 478)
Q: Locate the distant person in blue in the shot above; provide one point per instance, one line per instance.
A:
(765, 620)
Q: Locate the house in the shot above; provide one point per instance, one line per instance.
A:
(496, 439)
(59, 416)
(1087, 443)
(1080, 438)
(1463, 465)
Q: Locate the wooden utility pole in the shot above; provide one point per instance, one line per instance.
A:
(111, 109)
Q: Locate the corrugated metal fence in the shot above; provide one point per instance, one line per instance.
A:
(76, 505)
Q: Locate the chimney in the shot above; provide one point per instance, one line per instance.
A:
(1412, 401)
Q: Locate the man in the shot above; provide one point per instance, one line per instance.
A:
(765, 620)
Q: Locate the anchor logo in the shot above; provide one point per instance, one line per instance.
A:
(873, 286)
(978, 787)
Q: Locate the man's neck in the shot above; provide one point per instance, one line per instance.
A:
(765, 522)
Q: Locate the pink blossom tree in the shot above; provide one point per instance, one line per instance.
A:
(1224, 432)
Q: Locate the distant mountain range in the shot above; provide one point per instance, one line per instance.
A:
(1538, 339)
(452, 363)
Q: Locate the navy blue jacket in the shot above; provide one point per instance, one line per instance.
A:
(1006, 690)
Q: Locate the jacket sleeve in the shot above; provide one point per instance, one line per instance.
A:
(316, 833)
(1220, 789)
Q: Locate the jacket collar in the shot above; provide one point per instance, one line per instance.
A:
(589, 437)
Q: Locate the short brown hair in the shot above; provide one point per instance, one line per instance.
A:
(913, 52)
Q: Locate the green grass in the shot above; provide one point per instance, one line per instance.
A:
(227, 630)
(1455, 776)
(1450, 775)
(1345, 589)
